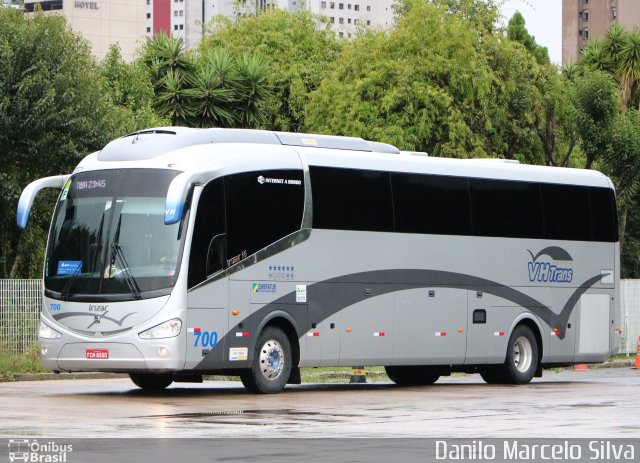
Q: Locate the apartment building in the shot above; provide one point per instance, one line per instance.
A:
(184, 18)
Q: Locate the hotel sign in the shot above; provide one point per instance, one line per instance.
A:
(86, 5)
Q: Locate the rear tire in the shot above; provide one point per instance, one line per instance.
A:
(151, 381)
(272, 363)
(492, 375)
(521, 362)
(412, 375)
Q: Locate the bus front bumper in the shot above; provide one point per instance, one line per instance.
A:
(157, 355)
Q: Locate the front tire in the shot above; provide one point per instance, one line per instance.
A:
(150, 381)
(271, 365)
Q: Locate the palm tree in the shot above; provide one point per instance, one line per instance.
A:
(628, 69)
(212, 91)
(617, 54)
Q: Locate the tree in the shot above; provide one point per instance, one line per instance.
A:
(438, 82)
(555, 117)
(53, 110)
(597, 109)
(517, 31)
(215, 88)
(300, 49)
(617, 54)
(128, 86)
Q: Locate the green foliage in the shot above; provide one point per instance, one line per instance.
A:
(129, 89)
(596, 111)
(555, 117)
(56, 105)
(622, 159)
(52, 109)
(299, 53)
(617, 54)
(630, 224)
(215, 88)
(482, 14)
(434, 83)
(14, 364)
(517, 32)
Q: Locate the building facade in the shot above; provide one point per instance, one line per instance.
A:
(129, 22)
(586, 19)
(185, 18)
(102, 22)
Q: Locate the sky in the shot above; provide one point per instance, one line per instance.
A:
(543, 20)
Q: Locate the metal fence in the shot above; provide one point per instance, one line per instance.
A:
(20, 302)
(630, 316)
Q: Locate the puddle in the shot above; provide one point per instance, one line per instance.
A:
(232, 413)
(585, 405)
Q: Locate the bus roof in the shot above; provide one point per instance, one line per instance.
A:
(238, 150)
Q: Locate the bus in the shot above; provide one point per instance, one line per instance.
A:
(175, 253)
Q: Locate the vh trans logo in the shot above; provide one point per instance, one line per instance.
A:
(551, 265)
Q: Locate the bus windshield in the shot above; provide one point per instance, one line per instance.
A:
(108, 237)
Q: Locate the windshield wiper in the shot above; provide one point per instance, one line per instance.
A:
(132, 284)
(117, 253)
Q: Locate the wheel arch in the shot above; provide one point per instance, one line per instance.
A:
(286, 323)
(536, 328)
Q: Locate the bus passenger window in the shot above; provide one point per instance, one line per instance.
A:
(350, 199)
(262, 207)
(436, 204)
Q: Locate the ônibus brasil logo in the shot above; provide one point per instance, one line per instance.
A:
(551, 265)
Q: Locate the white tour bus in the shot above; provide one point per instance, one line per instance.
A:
(175, 253)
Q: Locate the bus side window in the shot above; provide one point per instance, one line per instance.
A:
(262, 207)
(210, 224)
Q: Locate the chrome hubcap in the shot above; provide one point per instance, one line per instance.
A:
(522, 354)
(271, 359)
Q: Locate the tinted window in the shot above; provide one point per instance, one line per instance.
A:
(108, 234)
(506, 208)
(210, 223)
(566, 211)
(347, 199)
(431, 204)
(261, 208)
(604, 220)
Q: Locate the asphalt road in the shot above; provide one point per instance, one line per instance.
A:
(569, 404)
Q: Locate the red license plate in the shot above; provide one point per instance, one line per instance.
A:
(99, 354)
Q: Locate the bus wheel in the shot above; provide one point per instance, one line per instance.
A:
(493, 375)
(412, 376)
(522, 356)
(150, 381)
(271, 365)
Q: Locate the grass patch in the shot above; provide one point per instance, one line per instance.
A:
(339, 374)
(16, 364)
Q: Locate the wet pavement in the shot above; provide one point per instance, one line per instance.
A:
(567, 404)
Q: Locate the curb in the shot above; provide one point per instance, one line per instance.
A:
(60, 376)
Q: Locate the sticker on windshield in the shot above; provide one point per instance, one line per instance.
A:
(69, 267)
(65, 190)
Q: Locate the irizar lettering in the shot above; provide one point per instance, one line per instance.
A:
(549, 273)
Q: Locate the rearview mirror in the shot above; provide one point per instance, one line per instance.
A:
(29, 194)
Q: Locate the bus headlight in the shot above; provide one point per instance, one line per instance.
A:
(168, 329)
(46, 332)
